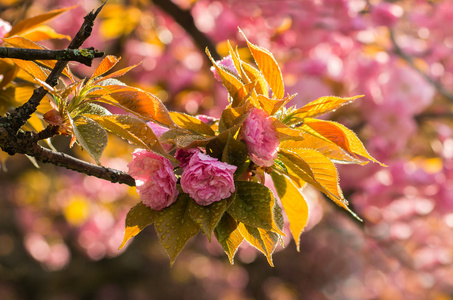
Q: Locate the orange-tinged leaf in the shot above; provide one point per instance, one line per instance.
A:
(142, 103)
(27, 24)
(254, 75)
(132, 129)
(191, 123)
(207, 217)
(228, 235)
(263, 240)
(233, 116)
(137, 219)
(253, 206)
(269, 68)
(285, 133)
(106, 64)
(271, 106)
(116, 73)
(323, 146)
(32, 69)
(43, 32)
(323, 105)
(232, 82)
(9, 72)
(237, 62)
(294, 204)
(341, 136)
(175, 227)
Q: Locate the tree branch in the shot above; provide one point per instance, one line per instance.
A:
(21, 114)
(25, 143)
(84, 56)
(398, 51)
(185, 20)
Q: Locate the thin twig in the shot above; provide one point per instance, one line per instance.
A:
(84, 56)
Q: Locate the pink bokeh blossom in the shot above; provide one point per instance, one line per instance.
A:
(5, 27)
(208, 180)
(260, 137)
(386, 14)
(154, 177)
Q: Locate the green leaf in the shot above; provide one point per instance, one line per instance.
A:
(90, 135)
(89, 108)
(175, 227)
(294, 204)
(207, 217)
(191, 123)
(263, 240)
(228, 235)
(139, 217)
(254, 206)
(134, 130)
(235, 152)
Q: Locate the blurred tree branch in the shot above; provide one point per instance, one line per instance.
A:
(185, 20)
(398, 51)
(13, 140)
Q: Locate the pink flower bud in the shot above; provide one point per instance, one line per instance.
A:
(5, 27)
(184, 156)
(260, 137)
(208, 180)
(154, 178)
(227, 63)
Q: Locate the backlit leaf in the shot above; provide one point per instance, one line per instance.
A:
(132, 129)
(323, 105)
(254, 206)
(233, 116)
(175, 227)
(106, 65)
(43, 32)
(294, 204)
(271, 106)
(254, 75)
(139, 217)
(228, 235)
(263, 240)
(269, 68)
(285, 133)
(32, 69)
(90, 135)
(115, 74)
(207, 217)
(230, 81)
(140, 102)
(191, 123)
(341, 136)
(32, 22)
(235, 152)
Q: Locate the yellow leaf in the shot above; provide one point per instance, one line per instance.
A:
(294, 204)
(137, 219)
(323, 105)
(271, 106)
(341, 136)
(285, 133)
(28, 24)
(191, 123)
(228, 235)
(263, 240)
(269, 68)
(232, 82)
(43, 32)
